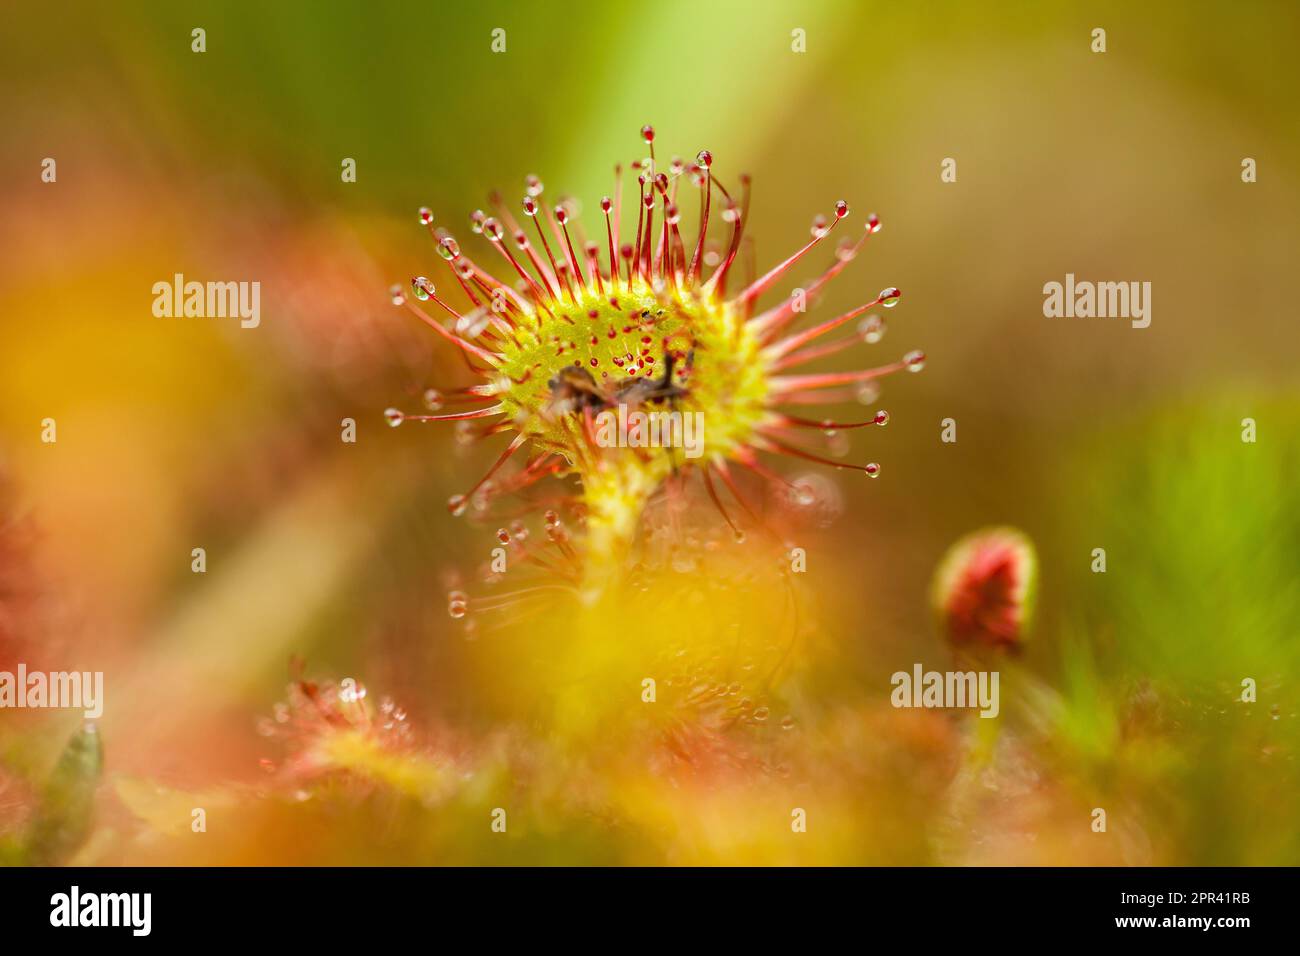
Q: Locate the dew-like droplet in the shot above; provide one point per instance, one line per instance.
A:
(492, 229)
(448, 248)
(889, 297)
(422, 288)
(873, 224)
(530, 206)
(787, 722)
(533, 185)
(503, 535)
(872, 469)
(704, 158)
(394, 417)
(648, 133)
(914, 360)
(760, 714)
(882, 417)
(483, 495)
(457, 504)
(457, 604)
(841, 209)
(426, 215)
(561, 215)
(872, 329)
(606, 204)
(476, 220)
(472, 324)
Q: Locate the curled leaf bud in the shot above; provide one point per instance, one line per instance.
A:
(984, 588)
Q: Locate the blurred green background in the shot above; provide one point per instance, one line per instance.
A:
(175, 434)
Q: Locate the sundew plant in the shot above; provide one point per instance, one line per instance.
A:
(649, 321)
